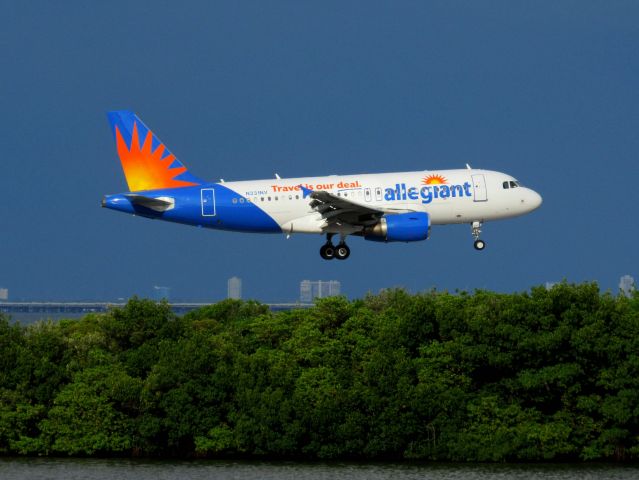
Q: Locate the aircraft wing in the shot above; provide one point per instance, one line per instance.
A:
(341, 210)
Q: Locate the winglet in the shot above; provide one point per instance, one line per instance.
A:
(305, 191)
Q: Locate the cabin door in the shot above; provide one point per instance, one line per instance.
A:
(479, 188)
(208, 202)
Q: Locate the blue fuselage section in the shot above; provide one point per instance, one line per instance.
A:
(209, 205)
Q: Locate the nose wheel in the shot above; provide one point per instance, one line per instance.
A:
(476, 231)
(328, 251)
(479, 244)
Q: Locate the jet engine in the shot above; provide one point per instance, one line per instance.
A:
(401, 227)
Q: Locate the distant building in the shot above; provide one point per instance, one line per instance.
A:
(161, 293)
(312, 289)
(4, 294)
(234, 288)
(306, 291)
(627, 285)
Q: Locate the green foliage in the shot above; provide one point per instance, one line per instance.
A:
(90, 413)
(536, 376)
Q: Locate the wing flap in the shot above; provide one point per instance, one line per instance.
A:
(339, 212)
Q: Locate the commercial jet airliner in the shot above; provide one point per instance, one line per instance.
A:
(383, 207)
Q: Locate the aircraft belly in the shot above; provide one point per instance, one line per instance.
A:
(468, 212)
(440, 213)
(302, 222)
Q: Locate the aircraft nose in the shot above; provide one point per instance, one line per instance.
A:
(534, 200)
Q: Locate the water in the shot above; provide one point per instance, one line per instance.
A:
(76, 469)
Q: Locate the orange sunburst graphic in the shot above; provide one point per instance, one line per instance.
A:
(434, 180)
(145, 169)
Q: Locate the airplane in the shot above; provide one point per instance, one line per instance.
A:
(382, 207)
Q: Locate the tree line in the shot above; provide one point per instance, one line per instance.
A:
(548, 374)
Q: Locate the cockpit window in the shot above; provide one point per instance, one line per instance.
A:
(505, 185)
(513, 184)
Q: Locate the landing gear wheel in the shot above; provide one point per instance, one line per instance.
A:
(327, 252)
(476, 231)
(479, 244)
(342, 251)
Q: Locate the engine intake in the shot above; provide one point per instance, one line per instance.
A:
(402, 227)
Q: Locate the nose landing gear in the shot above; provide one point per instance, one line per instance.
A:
(479, 244)
(328, 251)
(476, 231)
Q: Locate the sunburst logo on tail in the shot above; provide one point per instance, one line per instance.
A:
(145, 168)
(434, 180)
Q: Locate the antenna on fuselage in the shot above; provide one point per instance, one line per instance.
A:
(277, 176)
(468, 167)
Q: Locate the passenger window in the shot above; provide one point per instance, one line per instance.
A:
(505, 184)
(269, 199)
(297, 197)
(367, 194)
(234, 200)
(290, 197)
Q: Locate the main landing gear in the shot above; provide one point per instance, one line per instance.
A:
(329, 251)
(476, 231)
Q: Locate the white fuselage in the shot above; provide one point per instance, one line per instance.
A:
(448, 196)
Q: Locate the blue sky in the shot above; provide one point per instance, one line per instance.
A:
(545, 91)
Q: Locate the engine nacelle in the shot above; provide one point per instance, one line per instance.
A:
(402, 227)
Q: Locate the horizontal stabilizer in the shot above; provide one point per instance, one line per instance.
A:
(159, 204)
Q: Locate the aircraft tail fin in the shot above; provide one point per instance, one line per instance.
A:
(147, 163)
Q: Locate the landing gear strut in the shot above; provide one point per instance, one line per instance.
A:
(329, 251)
(476, 231)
